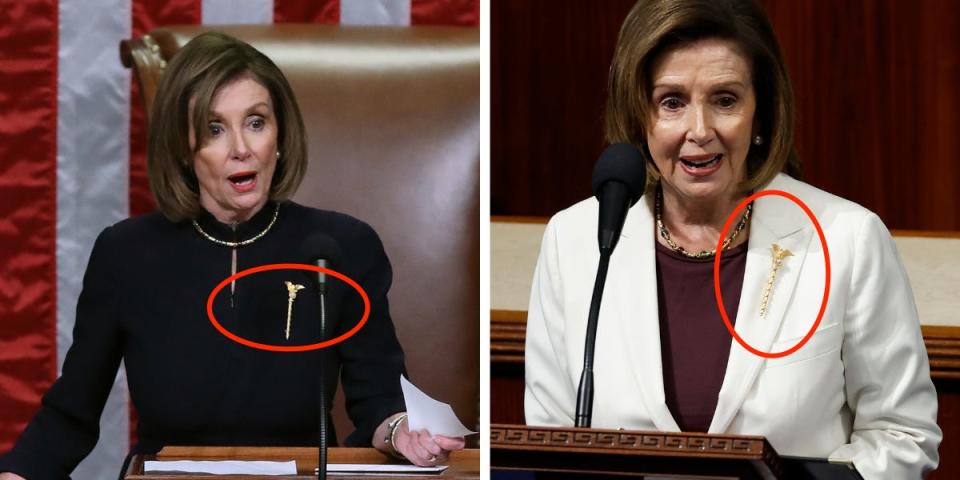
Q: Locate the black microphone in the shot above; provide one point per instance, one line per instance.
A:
(323, 251)
(618, 182)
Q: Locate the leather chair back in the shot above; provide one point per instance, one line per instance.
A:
(393, 119)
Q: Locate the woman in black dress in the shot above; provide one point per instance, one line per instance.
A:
(227, 150)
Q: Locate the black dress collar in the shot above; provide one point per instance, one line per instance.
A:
(241, 231)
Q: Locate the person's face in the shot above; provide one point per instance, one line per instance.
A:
(703, 108)
(235, 165)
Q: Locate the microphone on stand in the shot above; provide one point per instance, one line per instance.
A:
(321, 250)
(619, 178)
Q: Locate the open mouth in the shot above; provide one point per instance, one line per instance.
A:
(242, 178)
(702, 164)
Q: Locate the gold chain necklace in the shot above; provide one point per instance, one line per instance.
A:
(658, 211)
(276, 213)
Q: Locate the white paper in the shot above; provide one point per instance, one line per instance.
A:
(222, 467)
(425, 413)
(388, 468)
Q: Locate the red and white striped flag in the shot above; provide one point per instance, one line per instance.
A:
(72, 161)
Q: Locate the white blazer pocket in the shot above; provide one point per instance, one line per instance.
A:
(825, 340)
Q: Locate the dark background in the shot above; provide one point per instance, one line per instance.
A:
(878, 113)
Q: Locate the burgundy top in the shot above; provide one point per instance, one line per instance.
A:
(693, 340)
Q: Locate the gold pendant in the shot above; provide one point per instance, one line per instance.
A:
(778, 255)
(292, 289)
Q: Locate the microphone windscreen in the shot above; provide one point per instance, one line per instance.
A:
(621, 162)
(319, 245)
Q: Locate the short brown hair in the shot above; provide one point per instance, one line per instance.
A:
(655, 26)
(204, 65)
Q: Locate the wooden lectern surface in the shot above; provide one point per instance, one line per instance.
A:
(464, 464)
(601, 452)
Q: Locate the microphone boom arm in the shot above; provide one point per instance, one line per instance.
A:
(585, 390)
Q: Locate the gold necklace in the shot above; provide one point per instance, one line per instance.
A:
(658, 212)
(276, 212)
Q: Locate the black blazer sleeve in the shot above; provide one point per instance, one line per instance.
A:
(67, 426)
(371, 360)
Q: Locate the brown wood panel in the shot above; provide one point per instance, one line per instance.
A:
(948, 417)
(526, 219)
(875, 81)
(548, 64)
(518, 219)
(508, 329)
(924, 233)
(943, 348)
(506, 393)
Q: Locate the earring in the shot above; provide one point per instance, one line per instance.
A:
(758, 140)
(278, 154)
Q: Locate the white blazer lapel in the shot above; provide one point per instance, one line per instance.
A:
(775, 220)
(631, 291)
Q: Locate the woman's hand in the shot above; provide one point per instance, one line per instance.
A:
(419, 447)
(424, 449)
(10, 476)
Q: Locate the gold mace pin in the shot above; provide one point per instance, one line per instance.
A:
(292, 289)
(779, 253)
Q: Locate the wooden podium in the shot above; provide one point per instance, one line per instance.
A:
(592, 453)
(463, 464)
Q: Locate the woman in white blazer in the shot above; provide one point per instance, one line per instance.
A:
(701, 89)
